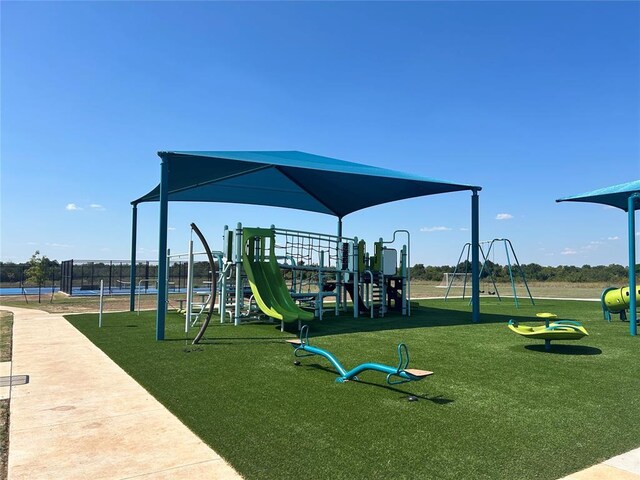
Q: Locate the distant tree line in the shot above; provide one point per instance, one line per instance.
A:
(39, 269)
(613, 274)
(42, 270)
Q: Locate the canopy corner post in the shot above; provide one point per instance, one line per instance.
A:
(339, 278)
(632, 263)
(134, 241)
(162, 250)
(475, 256)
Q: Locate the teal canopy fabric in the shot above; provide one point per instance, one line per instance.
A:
(615, 196)
(289, 179)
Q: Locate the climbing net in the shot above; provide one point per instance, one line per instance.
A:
(310, 260)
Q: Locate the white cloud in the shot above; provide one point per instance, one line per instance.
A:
(97, 206)
(613, 238)
(171, 229)
(72, 207)
(434, 229)
(568, 251)
(504, 216)
(464, 229)
(32, 243)
(59, 245)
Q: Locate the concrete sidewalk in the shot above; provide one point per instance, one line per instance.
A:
(82, 417)
(622, 467)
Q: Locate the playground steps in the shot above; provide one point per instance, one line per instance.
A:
(377, 295)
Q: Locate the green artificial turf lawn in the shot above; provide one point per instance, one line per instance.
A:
(497, 407)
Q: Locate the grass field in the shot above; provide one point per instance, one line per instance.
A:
(498, 406)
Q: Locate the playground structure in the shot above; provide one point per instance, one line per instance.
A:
(302, 348)
(289, 179)
(485, 270)
(557, 330)
(282, 273)
(617, 300)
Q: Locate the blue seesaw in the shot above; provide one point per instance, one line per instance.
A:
(303, 349)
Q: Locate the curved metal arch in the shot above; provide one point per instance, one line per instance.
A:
(214, 283)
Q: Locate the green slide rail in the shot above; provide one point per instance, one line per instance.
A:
(265, 279)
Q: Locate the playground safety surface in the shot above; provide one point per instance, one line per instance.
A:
(81, 416)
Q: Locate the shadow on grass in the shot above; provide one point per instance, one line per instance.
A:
(345, 324)
(565, 349)
(425, 317)
(406, 394)
(214, 340)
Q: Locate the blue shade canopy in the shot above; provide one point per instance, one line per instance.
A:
(289, 179)
(626, 197)
(615, 196)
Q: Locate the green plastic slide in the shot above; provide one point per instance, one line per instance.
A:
(267, 284)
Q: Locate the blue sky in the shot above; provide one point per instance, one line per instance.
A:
(532, 101)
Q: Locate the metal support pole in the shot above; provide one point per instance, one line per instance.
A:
(475, 257)
(632, 263)
(339, 266)
(238, 260)
(134, 240)
(356, 278)
(320, 298)
(187, 313)
(383, 282)
(405, 282)
(101, 303)
(222, 278)
(513, 285)
(162, 250)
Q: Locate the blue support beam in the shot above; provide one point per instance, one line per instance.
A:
(632, 263)
(475, 257)
(162, 250)
(134, 241)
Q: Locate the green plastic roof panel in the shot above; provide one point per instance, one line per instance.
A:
(289, 179)
(615, 196)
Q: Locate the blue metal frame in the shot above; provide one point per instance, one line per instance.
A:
(162, 250)
(134, 241)
(475, 257)
(303, 349)
(632, 263)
